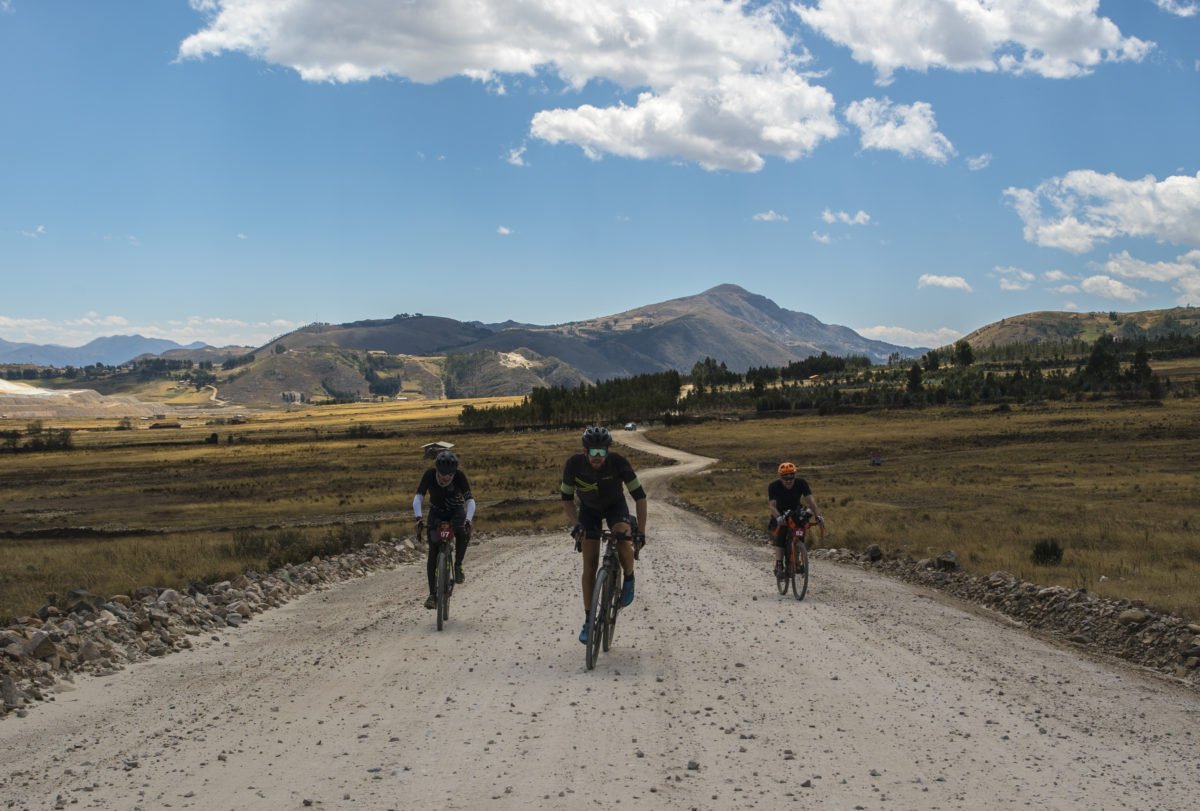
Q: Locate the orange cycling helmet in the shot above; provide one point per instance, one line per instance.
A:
(787, 469)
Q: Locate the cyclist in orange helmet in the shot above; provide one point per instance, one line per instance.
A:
(785, 494)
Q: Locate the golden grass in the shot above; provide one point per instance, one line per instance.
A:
(169, 512)
(1115, 485)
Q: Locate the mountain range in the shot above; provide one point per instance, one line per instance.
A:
(436, 356)
(112, 350)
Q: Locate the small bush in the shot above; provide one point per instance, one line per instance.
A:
(1047, 553)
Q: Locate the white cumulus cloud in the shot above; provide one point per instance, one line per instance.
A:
(717, 81)
(860, 217)
(1082, 208)
(909, 129)
(1055, 276)
(1110, 288)
(504, 231)
(1051, 38)
(1183, 273)
(949, 282)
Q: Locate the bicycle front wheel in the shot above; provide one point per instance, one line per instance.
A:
(610, 602)
(443, 588)
(800, 571)
(596, 618)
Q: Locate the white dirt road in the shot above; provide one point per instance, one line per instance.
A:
(717, 694)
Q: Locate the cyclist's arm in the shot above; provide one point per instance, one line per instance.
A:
(417, 506)
(640, 509)
(470, 509)
(774, 508)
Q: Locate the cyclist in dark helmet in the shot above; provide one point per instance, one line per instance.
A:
(449, 499)
(597, 478)
(785, 494)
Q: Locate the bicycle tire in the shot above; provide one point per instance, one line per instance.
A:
(595, 619)
(610, 602)
(443, 589)
(800, 571)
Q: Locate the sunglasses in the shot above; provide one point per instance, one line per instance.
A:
(601, 452)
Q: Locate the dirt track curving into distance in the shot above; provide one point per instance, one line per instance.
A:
(717, 694)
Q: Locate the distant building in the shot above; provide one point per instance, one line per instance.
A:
(293, 397)
(432, 449)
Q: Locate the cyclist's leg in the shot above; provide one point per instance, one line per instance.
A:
(617, 517)
(776, 536)
(431, 559)
(589, 519)
(459, 521)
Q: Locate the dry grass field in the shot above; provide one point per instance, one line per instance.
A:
(1115, 485)
(163, 507)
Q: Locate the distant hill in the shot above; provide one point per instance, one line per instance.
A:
(1059, 327)
(111, 351)
(727, 323)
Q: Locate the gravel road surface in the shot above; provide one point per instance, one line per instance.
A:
(717, 694)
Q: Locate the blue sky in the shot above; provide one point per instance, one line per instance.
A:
(228, 170)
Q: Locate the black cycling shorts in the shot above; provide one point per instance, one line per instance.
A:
(590, 518)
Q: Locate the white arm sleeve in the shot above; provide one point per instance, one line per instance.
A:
(470, 509)
(417, 505)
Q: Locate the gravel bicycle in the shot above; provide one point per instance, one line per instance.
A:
(801, 528)
(606, 594)
(443, 535)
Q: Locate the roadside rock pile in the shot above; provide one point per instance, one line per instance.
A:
(100, 635)
(1126, 629)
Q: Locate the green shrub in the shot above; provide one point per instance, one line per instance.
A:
(1047, 553)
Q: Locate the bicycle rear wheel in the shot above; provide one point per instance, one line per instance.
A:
(596, 618)
(800, 571)
(443, 588)
(610, 602)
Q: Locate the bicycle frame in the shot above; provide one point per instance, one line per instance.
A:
(606, 596)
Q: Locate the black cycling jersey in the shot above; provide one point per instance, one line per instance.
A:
(787, 499)
(601, 488)
(448, 498)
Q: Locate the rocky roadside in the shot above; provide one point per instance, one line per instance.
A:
(99, 635)
(1126, 629)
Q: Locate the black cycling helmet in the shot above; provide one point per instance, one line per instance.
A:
(597, 436)
(446, 463)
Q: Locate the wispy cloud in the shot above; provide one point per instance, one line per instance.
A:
(1013, 279)
(770, 216)
(824, 239)
(979, 162)
(911, 337)
(1182, 8)
(949, 282)
(1055, 276)
(37, 233)
(504, 231)
(213, 330)
(858, 218)
(517, 156)
(1082, 208)
(910, 129)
